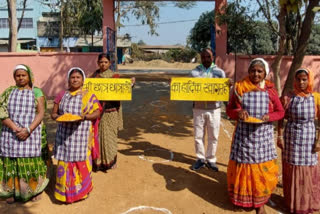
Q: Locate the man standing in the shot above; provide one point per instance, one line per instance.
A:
(206, 116)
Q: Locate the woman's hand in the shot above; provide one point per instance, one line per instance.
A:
(94, 115)
(280, 142)
(133, 81)
(230, 82)
(316, 147)
(243, 114)
(17, 129)
(265, 118)
(23, 134)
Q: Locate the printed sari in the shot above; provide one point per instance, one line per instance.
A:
(22, 176)
(74, 180)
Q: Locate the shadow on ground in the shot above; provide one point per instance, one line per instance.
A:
(151, 111)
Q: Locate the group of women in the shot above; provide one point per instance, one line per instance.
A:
(90, 143)
(253, 170)
(80, 145)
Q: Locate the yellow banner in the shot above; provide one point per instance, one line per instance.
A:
(199, 89)
(109, 88)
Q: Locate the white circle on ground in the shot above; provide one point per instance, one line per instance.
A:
(163, 210)
(158, 103)
(143, 157)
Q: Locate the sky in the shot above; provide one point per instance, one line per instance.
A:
(169, 34)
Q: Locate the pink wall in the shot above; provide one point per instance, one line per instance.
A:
(50, 69)
(240, 65)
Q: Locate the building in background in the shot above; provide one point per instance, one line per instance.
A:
(27, 35)
(159, 49)
(48, 37)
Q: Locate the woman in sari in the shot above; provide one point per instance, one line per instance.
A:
(74, 139)
(252, 169)
(23, 171)
(299, 144)
(111, 120)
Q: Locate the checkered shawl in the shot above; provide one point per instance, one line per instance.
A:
(253, 143)
(22, 111)
(300, 133)
(72, 138)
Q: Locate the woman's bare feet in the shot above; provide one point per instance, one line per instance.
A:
(260, 210)
(114, 166)
(37, 197)
(316, 148)
(10, 200)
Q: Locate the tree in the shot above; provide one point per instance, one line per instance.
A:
(245, 36)
(199, 37)
(295, 19)
(314, 42)
(90, 18)
(141, 42)
(303, 36)
(12, 19)
(145, 11)
(78, 17)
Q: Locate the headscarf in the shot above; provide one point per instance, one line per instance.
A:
(309, 88)
(79, 69)
(264, 62)
(246, 85)
(28, 70)
(4, 97)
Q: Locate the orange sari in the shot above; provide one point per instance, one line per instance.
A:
(251, 185)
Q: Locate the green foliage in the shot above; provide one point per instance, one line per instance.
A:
(79, 17)
(292, 5)
(314, 42)
(199, 37)
(70, 17)
(90, 17)
(179, 55)
(136, 52)
(264, 40)
(141, 42)
(245, 36)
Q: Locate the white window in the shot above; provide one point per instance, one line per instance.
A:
(26, 23)
(4, 23)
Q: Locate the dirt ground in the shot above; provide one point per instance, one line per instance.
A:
(157, 64)
(153, 176)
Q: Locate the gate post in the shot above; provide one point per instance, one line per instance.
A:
(108, 20)
(221, 33)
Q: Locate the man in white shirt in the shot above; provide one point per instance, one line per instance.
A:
(206, 116)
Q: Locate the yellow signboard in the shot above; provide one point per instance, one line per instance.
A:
(199, 89)
(109, 88)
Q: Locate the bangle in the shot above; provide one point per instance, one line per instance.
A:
(28, 130)
(280, 137)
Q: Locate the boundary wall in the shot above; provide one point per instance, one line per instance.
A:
(50, 69)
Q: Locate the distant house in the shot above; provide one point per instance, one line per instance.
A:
(48, 37)
(27, 34)
(160, 49)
